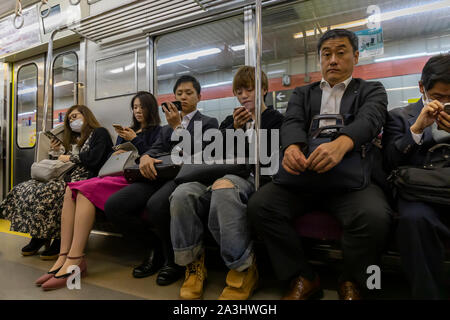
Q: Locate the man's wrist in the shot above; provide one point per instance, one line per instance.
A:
(345, 143)
(416, 129)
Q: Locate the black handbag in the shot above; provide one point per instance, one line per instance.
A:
(429, 183)
(166, 170)
(208, 173)
(352, 173)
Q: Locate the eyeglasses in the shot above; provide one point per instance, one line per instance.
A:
(438, 97)
(74, 115)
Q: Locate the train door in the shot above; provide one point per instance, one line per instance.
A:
(28, 104)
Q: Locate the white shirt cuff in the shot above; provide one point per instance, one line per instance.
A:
(417, 137)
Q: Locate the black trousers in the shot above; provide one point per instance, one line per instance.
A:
(364, 215)
(126, 208)
(420, 232)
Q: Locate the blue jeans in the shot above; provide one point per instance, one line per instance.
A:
(226, 213)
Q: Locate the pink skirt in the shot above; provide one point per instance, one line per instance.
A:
(98, 189)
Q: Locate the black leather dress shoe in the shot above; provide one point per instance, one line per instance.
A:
(169, 274)
(149, 266)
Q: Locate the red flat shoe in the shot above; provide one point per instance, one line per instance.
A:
(49, 274)
(57, 282)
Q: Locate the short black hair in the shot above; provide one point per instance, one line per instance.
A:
(339, 33)
(437, 69)
(187, 78)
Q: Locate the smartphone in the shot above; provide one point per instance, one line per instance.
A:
(447, 107)
(117, 126)
(51, 136)
(176, 103)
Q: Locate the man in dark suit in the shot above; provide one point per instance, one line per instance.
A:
(125, 207)
(408, 134)
(363, 214)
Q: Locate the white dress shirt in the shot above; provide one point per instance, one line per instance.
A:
(331, 99)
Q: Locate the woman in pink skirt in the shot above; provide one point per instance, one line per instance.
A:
(83, 197)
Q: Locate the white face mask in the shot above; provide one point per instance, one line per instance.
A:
(76, 125)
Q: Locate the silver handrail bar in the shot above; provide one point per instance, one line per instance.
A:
(258, 91)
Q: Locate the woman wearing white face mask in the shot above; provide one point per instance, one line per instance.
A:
(35, 207)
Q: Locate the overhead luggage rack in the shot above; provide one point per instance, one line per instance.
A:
(148, 16)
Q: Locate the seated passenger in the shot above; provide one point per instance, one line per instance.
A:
(35, 207)
(365, 214)
(408, 134)
(226, 210)
(83, 197)
(125, 207)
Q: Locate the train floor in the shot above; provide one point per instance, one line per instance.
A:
(110, 260)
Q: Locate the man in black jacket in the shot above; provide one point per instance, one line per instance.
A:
(125, 207)
(222, 205)
(408, 134)
(363, 214)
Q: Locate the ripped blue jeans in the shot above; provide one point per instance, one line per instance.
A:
(226, 217)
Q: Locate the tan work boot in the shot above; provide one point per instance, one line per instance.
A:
(192, 287)
(240, 285)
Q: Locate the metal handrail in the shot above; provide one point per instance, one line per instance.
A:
(258, 91)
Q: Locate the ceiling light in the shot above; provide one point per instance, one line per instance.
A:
(62, 83)
(118, 70)
(402, 88)
(28, 90)
(276, 71)
(413, 55)
(188, 56)
(238, 47)
(216, 84)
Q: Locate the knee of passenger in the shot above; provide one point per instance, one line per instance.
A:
(374, 219)
(414, 216)
(68, 194)
(222, 184)
(182, 192)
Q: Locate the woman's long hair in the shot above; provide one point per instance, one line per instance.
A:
(89, 124)
(149, 109)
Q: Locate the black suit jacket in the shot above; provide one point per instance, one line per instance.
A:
(398, 144)
(364, 105)
(163, 143)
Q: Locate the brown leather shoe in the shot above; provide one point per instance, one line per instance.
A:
(304, 289)
(349, 291)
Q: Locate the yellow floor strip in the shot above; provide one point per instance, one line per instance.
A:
(5, 225)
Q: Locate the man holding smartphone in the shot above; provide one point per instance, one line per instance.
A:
(408, 135)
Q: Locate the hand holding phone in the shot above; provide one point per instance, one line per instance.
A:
(176, 103)
(240, 117)
(117, 126)
(52, 136)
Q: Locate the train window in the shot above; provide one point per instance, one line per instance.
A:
(26, 102)
(211, 52)
(389, 52)
(65, 77)
(142, 70)
(116, 76)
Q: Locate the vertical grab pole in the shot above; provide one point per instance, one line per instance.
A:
(258, 96)
(48, 78)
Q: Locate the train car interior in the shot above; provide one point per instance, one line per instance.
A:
(59, 53)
